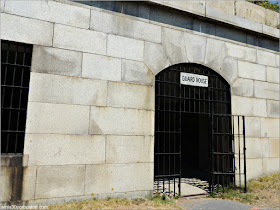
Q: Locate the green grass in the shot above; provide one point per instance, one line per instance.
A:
(263, 192)
(235, 194)
(154, 202)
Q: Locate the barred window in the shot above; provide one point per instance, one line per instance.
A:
(15, 76)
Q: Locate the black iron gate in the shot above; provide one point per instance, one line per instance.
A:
(175, 105)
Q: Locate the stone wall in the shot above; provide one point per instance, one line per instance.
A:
(90, 117)
(226, 10)
(11, 179)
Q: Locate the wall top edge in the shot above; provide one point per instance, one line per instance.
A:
(198, 7)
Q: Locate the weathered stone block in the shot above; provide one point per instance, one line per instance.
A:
(173, 42)
(271, 31)
(248, 106)
(26, 30)
(127, 195)
(253, 126)
(196, 7)
(50, 11)
(101, 67)
(233, 19)
(130, 96)
(271, 165)
(129, 149)
(137, 73)
(106, 120)
(215, 53)
(56, 61)
(114, 178)
(122, 47)
(250, 11)
(53, 149)
(229, 70)
(195, 48)
(224, 6)
(274, 147)
(241, 53)
(271, 18)
(6, 183)
(270, 127)
(112, 23)
(272, 74)
(29, 182)
(155, 58)
(60, 181)
(251, 71)
(79, 39)
(273, 109)
(266, 58)
(2, 6)
(277, 59)
(257, 147)
(47, 201)
(243, 87)
(57, 118)
(254, 168)
(67, 90)
(266, 90)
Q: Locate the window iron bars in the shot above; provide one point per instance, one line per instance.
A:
(15, 76)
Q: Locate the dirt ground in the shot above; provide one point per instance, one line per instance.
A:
(262, 193)
(267, 191)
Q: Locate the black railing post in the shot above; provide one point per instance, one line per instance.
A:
(244, 154)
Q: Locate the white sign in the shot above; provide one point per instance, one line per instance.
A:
(193, 79)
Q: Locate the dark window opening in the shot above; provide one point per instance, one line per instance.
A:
(15, 76)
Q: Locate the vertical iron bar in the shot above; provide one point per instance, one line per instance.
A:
(210, 158)
(217, 150)
(180, 141)
(223, 154)
(212, 139)
(5, 82)
(233, 147)
(169, 118)
(239, 151)
(12, 96)
(16, 140)
(164, 128)
(244, 154)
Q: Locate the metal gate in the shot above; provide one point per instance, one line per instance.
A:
(173, 103)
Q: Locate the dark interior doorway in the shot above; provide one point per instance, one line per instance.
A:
(195, 140)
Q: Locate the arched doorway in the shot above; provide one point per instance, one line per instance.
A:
(193, 127)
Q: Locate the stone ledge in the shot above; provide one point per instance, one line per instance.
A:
(219, 15)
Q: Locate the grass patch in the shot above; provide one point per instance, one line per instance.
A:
(261, 192)
(155, 202)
